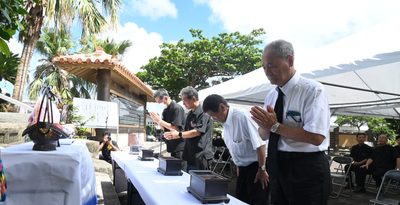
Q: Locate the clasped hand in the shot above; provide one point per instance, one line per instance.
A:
(264, 118)
(156, 118)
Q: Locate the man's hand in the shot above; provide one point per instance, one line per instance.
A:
(156, 118)
(264, 118)
(173, 134)
(364, 166)
(263, 177)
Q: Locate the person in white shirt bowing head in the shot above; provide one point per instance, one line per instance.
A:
(246, 148)
(295, 119)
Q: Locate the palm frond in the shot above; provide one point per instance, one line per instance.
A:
(111, 7)
(34, 88)
(123, 46)
(91, 19)
(9, 66)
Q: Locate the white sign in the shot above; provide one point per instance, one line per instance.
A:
(100, 114)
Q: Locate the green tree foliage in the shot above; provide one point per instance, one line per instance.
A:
(51, 44)
(60, 14)
(379, 126)
(394, 124)
(9, 66)
(10, 14)
(355, 121)
(376, 124)
(193, 63)
(108, 45)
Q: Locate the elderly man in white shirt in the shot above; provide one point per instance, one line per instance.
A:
(247, 149)
(295, 119)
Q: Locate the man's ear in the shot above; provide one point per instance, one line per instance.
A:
(290, 60)
(221, 107)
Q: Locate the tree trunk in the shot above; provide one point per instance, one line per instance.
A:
(22, 73)
(29, 36)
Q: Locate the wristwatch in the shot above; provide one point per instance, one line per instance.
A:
(180, 135)
(262, 167)
(275, 127)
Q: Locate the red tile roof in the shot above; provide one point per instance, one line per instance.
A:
(86, 65)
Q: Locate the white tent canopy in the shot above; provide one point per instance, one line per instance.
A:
(353, 89)
(370, 85)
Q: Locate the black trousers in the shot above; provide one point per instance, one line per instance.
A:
(247, 190)
(377, 173)
(105, 158)
(301, 179)
(177, 154)
(360, 174)
(200, 163)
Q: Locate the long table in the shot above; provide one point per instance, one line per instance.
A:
(63, 177)
(155, 188)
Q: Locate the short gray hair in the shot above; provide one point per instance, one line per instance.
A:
(281, 48)
(189, 92)
(160, 93)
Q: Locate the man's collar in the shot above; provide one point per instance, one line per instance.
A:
(229, 117)
(290, 84)
(198, 110)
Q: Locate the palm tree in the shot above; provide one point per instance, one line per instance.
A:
(8, 70)
(51, 44)
(59, 13)
(113, 48)
(109, 46)
(8, 67)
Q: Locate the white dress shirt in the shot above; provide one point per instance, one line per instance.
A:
(241, 137)
(305, 105)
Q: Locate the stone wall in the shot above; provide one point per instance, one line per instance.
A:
(11, 127)
(11, 133)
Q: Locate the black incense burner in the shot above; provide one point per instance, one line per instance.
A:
(208, 187)
(146, 155)
(170, 166)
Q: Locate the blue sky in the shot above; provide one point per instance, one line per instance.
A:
(309, 24)
(173, 24)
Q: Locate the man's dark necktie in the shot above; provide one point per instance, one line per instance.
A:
(274, 138)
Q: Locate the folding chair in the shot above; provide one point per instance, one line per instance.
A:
(221, 158)
(389, 177)
(339, 174)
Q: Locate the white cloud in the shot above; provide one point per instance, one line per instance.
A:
(200, 1)
(15, 46)
(308, 23)
(145, 45)
(155, 9)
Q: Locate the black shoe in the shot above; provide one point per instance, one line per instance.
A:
(359, 190)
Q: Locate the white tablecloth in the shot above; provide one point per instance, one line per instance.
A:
(65, 176)
(154, 187)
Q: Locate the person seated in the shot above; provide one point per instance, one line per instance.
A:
(106, 146)
(397, 147)
(360, 154)
(218, 141)
(384, 158)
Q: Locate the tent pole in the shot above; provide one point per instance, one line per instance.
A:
(360, 89)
